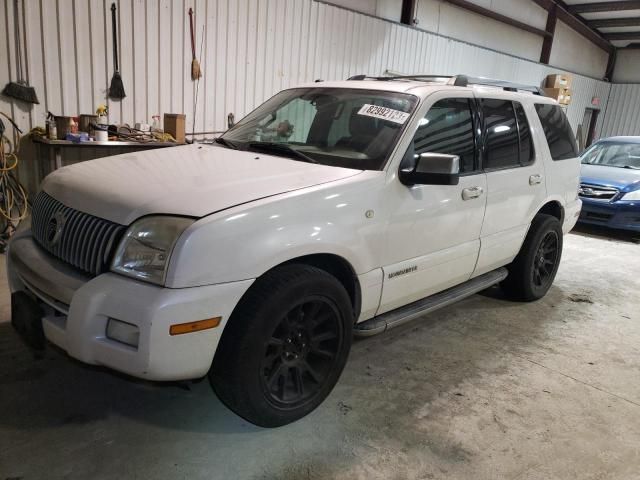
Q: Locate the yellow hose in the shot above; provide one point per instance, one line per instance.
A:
(12, 193)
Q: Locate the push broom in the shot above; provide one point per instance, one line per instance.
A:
(19, 89)
(116, 89)
(196, 73)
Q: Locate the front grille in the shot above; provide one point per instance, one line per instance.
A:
(75, 237)
(597, 192)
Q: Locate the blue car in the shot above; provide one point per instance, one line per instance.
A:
(610, 183)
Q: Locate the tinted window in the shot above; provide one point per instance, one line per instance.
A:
(501, 144)
(562, 143)
(524, 132)
(448, 128)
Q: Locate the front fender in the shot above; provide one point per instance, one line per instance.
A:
(248, 240)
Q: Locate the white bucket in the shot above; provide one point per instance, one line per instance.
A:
(101, 135)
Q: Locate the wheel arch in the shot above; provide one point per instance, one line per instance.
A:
(553, 208)
(336, 266)
(339, 268)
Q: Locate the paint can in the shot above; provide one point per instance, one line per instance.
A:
(63, 126)
(87, 122)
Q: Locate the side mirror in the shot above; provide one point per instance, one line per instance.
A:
(432, 169)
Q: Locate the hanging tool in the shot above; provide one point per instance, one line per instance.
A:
(19, 89)
(195, 98)
(13, 198)
(195, 65)
(116, 89)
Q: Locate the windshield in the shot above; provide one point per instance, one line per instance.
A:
(613, 154)
(340, 127)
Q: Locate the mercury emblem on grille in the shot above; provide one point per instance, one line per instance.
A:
(54, 228)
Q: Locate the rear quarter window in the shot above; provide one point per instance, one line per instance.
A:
(560, 138)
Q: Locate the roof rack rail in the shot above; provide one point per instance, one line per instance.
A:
(429, 77)
(459, 81)
(508, 86)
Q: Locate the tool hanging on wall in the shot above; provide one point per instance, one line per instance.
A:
(116, 89)
(13, 198)
(19, 89)
(196, 73)
(195, 98)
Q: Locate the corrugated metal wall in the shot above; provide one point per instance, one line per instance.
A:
(251, 49)
(623, 111)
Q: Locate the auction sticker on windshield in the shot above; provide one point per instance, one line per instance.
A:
(384, 113)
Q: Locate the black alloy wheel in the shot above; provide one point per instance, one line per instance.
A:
(534, 269)
(301, 352)
(546, 259)
(285, 345)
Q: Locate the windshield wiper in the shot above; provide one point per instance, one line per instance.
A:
(226, 143)
(282, 149)
(631, 167)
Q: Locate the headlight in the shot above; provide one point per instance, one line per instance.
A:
(145, 249)
(635, 195)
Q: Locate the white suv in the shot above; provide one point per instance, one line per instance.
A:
(333, 209)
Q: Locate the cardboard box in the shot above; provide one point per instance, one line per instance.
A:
(561, 95)
(175, 124)
(559, 80)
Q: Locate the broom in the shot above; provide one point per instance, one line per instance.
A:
(195, 65)
(116, 89)
(19, 89)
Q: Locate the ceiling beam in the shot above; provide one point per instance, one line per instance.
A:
(576, 23)
(605, 6)
(614, 22)
(408, 12)
(622, 36)
(472, 7)
(611, 65)
(547, 43)
(584, 30)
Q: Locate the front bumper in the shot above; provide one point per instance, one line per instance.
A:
(622, 215)
(78, 308)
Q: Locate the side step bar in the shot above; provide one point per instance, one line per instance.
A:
(402, 315)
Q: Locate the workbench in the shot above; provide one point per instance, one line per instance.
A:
(52, 150)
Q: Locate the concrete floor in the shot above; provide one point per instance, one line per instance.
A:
(484, 389)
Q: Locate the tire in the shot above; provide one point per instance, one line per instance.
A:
(285, 346)
(532, 272)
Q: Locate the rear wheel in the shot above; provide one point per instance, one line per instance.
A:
(532, 272)
(285, 346)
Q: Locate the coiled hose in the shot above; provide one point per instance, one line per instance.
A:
(13, 198)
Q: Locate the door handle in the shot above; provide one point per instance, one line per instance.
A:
(535, 179)
(471, 193)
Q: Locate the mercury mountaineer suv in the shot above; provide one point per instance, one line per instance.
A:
(334, 209)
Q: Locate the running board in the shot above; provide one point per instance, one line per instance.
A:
(402, 315)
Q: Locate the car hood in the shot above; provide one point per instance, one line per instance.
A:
(624, 179)
(192, 180)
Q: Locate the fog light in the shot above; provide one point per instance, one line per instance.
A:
(123, 332)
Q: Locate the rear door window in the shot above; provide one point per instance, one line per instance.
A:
(502, 146)
(562, 142)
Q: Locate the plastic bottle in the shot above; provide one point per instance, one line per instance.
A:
(155, 126)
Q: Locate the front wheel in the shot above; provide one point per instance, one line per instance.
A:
(285, 346)
(532, 272)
